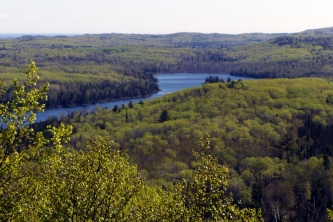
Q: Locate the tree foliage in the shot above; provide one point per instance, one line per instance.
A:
(21, 147)
(272, 134)
(164, 116)
(205, 196)
(44, 179)
(94, 68)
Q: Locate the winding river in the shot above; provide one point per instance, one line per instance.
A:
(168, 83)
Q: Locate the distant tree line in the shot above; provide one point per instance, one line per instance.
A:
(99, 57)
(82, 93)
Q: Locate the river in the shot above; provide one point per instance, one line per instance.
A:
(168, 83)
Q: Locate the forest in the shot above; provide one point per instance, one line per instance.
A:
(93, 68)
(273, 135)
(43, 178)
(247, 150)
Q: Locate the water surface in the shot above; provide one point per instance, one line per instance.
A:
(168, 83)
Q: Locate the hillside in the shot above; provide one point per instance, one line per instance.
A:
(286, 57)
(43, 178)
(274, 135)
(317, 32)
(93, 68)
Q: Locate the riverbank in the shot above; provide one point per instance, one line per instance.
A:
(168, 83)
(106, 101)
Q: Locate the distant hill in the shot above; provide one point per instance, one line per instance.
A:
(316, 32)
(78, 66)
(186, 39)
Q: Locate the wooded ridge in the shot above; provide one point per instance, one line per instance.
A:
(274, 136)
(92, 68)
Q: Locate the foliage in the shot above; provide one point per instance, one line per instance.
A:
(330, 214)
(164, 116)
(45, 180)
(205, 197)
(91, 185)
(274, 136)
(19, 143)
(93, 68)
(202, 198)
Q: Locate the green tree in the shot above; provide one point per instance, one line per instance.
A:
(205, 196)
(330, 214)
(164, 116)
(19, 144)
(94, 184)
(130, 104)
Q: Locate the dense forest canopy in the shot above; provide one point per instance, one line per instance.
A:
(42, 178)
(269, 140)
(274, 136)
(93, 68)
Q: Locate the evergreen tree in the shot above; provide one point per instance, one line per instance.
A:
(164, 116)
(115, 108)
(130, 105)
(327, 162)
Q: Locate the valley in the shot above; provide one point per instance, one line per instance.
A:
(256, 138)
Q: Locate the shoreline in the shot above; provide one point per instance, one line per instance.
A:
(102, 101)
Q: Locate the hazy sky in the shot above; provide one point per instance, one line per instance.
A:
(163, 16)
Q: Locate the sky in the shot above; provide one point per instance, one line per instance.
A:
(163, 16)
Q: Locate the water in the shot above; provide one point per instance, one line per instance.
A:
(168, 83)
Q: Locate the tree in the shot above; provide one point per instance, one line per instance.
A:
(327, 162)
(330, 214)
(41, 179)
(19, 144)
(202, 198)
(130, 104)
(164, 116)
(205, 197)
(94, 184)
